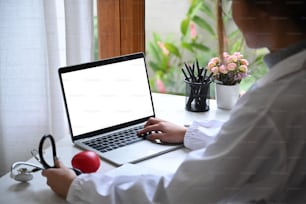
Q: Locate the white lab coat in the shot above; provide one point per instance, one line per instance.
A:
(259, 153)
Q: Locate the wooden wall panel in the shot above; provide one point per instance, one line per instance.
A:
(132, 26)
(121, 27)
(108, 12)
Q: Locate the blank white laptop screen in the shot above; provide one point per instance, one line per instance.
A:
(102, 97)
(106, 102)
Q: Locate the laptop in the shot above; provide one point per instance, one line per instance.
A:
(107, 102)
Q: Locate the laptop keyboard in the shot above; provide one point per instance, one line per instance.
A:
(115, 140)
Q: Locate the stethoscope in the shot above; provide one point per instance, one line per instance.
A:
(25, 174)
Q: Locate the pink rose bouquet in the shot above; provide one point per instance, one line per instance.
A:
(232, 71)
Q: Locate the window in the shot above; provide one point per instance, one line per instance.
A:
(124, 27)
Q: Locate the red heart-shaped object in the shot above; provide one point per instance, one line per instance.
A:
(86, 161)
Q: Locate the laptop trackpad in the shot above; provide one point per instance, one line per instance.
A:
(137, 152)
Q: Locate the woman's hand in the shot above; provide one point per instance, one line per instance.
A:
(59, 179)
(163, 130)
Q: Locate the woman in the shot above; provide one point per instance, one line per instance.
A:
(258, 156)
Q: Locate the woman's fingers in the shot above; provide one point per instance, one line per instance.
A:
(152, 124)
(150, 129)
(152, 121)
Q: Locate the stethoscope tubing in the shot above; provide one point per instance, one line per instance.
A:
(40, 151)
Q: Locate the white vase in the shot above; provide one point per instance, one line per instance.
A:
(226, 95)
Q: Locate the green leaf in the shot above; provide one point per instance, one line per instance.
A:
(154, 50)
(187, 46)
(165, 62)
(234, 34)
(173, 49)
(191, 7)
(208, 11)
(200, 47)
(194, 9)
(184, 26)
(159, 67)
(257, 60)
(203, 24)
(154, 66)
(237, 46)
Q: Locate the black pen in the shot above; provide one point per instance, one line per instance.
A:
(190, 72)
(208, 78)
(186, 77)
(205, 72)
(204, 75)
(200, 75)
(198, 69)
(192, 69)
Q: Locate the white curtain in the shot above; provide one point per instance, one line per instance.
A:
(36, 38)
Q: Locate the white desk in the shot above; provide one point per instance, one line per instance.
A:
(168, 107)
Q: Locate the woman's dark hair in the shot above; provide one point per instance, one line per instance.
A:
(294, 10)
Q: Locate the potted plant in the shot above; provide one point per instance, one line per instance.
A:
(227, 74)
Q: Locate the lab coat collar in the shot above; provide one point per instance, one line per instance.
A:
(272, 59)
(287, 66)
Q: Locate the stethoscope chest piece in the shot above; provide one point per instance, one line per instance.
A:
(23, 175)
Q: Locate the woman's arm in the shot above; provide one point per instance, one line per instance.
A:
(197, 135)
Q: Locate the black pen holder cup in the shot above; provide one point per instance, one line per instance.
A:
(197, 96)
